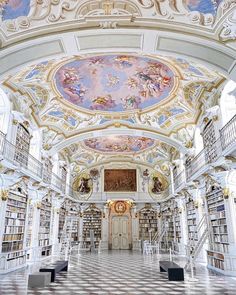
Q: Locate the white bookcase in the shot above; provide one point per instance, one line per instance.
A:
(22, 145)
(92, 220)
(219, 240)
(44, 227)
(147, 223)
(191, 221)
(168, 224)
(13, 253)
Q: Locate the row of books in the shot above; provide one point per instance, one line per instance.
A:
(14, 229)
(13, 237)
(14, 222)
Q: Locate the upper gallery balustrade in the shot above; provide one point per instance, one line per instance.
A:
(223, 146)
(18, 159)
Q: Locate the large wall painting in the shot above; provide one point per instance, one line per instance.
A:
(120, 180)
(114, 83)
(119, 143)
(15, 8)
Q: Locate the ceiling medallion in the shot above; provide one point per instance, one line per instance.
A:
(112, 84)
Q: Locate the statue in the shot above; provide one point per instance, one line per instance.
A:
(146, 173)
(84, 186)
(157, 185)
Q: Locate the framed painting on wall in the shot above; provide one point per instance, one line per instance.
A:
(120, 180)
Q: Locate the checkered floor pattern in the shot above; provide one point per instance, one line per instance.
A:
(119, 272)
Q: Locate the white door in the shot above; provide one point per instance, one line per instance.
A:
(120, 237)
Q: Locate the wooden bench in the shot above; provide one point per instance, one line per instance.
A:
(175, 272)
(55, 268)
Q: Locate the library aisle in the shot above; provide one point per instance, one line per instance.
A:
(120, 272)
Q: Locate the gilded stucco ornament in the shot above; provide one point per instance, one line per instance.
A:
(4, 194)
(83, 186)
(37, 14)
(228, 31)
(158, 186)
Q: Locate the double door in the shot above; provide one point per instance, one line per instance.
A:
(120, 233)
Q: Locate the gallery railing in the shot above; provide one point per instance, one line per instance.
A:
(31, 166)
(228, 133)
(214, 151)
(195, 164)
(20, 158)
(179, 179)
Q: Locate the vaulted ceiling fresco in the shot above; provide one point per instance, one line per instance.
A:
(155, 92)
(141, 150)
(115, 83)
(119, 144)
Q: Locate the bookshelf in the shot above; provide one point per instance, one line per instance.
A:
(191, 221)
(209, 139)
(44, 226)
(14, 230)
(63, 172)
(62, 217)
(147, 222)
(47, 170)
(219, 241)
(29, 225)
(22, 145)
(92, 220)
(177, 225)
(73, 225)
(168, 224)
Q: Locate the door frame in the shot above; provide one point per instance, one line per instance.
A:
(112, 213)
(119, 218)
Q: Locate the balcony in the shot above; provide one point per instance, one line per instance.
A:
(23, 162)
(211, 155)
(179, 181)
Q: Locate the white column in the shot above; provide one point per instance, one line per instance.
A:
(105, 227)
(135, 228)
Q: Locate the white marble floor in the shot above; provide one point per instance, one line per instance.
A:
(119, 272)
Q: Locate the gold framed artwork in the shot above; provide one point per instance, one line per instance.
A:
(83, 186)
(120, 180)
(120, 207)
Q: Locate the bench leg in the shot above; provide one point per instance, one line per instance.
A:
(65, 268)
(162, 269)
(176, 274)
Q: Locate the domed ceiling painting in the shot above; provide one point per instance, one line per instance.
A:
(119, 144)
(86, 92)
(115, 83)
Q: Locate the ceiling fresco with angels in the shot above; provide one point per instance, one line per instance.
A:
(89, 152)
(156, 92)
(114, 83)
(119, 144)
